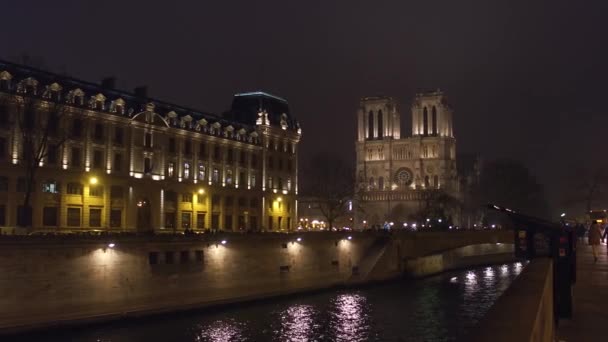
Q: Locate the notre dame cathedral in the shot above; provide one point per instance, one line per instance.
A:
(395, 174)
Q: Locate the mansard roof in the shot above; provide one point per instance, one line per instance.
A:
(247, 106)
(96, 97)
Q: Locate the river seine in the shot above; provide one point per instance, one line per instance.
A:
(439, 308)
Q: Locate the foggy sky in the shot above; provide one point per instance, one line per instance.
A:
(527, 79)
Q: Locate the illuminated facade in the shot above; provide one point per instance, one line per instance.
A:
(122, 161)
(394, 174)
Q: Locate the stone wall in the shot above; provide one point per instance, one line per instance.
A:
(525, 311)
(53, 281)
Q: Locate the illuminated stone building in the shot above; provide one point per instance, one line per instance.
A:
(395, 173)
(122, 161)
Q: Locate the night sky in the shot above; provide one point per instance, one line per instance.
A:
(527, 79)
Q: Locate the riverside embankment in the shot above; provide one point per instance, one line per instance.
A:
(54, 281)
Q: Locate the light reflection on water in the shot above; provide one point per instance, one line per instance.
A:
(438, 308)
(221, 331)
(297, 323)
(349, 318)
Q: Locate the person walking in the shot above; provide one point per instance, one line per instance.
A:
(595, 236)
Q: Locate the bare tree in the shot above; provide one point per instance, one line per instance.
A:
(38, 125)
(587, 186)
(330, 183)
(437, 205)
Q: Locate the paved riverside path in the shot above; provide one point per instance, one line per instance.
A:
(590, 299)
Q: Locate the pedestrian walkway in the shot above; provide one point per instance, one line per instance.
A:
(590, 299)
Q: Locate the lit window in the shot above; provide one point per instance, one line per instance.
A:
(201, 171)
(50, 187)
(216, 175)
(170, 169)
(229, 177)
(186, 170)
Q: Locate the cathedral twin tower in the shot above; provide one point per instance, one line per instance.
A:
(395, 174)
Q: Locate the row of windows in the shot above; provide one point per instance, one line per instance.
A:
(381, 184)
(50, 217)
(54, 187)
(228, 224)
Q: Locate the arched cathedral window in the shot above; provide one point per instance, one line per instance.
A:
(425, 121)
(380, 125)
(434, 120)
(370, 125)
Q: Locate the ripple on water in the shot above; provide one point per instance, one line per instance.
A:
(349, 318)
(297, 324)
(229, 330)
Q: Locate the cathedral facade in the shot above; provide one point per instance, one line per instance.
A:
(397, 175)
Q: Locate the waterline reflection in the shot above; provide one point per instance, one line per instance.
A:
(222, 331)
(297, 324)
(349, 318)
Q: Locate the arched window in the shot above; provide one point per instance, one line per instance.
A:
(427, 182)
(370, 125)
(436, 181)
(434, 119)
(380, 125)
(425, 121)
(381, 183)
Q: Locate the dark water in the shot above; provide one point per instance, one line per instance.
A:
(439, 308)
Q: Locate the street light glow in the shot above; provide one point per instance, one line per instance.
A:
(562, 215)
(224, 242)
(299, 239)
(111, 245)
(201, 191)
(93, 180)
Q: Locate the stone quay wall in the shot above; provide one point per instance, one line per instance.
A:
(50, 281)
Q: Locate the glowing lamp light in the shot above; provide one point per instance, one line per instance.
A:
(279, 199)
(562, 215)
(350, 237)
(439, 220)
(224, 242)
(93, 180)
(428, 220)
(493, 226)
(111, 244)
(201, 191)
(299, 239)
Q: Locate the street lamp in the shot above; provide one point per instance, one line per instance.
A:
(562, 215)
(201, 191)
(93, 180)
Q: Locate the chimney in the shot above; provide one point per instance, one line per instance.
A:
(141, 91)
(108, 83)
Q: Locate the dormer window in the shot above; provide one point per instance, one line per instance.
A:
(5, 80)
